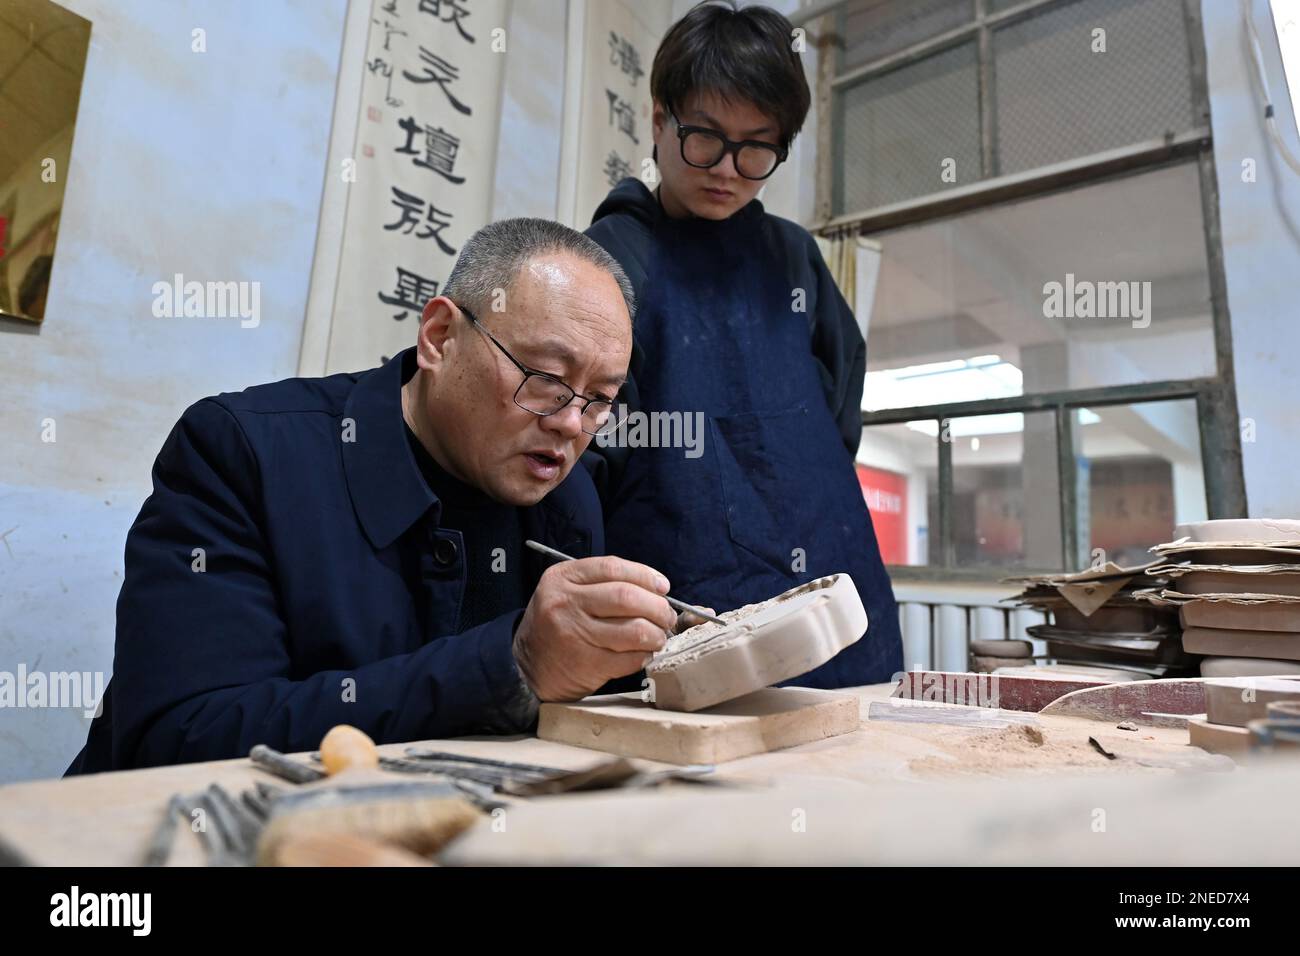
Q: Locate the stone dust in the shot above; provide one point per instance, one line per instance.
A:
(1019, 749)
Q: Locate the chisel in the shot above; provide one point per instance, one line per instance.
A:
(679, 605)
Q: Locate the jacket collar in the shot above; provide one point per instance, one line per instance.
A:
(388, 492)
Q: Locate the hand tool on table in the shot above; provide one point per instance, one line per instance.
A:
(286, 768)
(673, 602)
(164, 835)
(358, 800)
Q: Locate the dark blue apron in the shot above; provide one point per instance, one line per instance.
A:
(773, 501)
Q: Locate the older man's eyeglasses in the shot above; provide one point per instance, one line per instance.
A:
(544, 394)
(704, 148)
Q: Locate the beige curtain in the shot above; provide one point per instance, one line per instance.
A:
(840, 253)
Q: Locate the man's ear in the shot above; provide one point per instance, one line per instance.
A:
(435, 328)
(658, 118)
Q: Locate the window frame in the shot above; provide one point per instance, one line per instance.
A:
(1215, 396)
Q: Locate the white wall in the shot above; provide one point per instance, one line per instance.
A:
(1261, 249)
(209, 165)
(212, 165)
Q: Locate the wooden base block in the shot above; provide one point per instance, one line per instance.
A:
(1218, 738)
(1239, 700)
(765, 720)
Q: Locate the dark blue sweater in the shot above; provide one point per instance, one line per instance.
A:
(740, 325)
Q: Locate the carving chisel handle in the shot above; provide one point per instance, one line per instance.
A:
(673, 602)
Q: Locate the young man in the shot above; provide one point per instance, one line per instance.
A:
(739, 318)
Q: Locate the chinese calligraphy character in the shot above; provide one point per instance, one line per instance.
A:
(384, 69)
(410, 293)
(391, 7)
(455, 13)
(616, 168)
(389, 30)
(625, 56)
(440, 148)
(411, 207)
(625, 112)
(441, 73)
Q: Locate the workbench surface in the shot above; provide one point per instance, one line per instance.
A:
(891, 792)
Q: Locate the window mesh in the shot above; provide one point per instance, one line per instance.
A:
(1054, 97)
(896, 130)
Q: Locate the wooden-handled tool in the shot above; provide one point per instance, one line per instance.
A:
(359, 802)
(673, 602)
(346, 748)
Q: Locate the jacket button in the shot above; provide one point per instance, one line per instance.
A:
(445, 551)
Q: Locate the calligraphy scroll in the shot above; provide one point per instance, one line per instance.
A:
(615, 135)
(423, 167)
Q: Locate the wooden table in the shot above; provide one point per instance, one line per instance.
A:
(891, 792)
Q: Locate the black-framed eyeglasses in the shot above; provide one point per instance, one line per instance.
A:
(544, 394)
(704, 148)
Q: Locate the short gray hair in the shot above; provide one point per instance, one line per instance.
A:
(494, 256)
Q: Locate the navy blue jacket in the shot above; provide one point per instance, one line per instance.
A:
(329, 593)
(740, 322)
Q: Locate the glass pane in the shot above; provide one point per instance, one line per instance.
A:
(1096, 286)
(874, 29)
(1140, 474)
(1090, 76)
(42, 63)
(910, 132)
(898, 468)
(1006, 502)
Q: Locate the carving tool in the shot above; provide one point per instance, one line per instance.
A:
(679, 605)
(285, 768)
(358, 800)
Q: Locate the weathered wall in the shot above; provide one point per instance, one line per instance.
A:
(205, 164)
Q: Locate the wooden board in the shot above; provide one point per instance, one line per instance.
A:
(766, 720)
(1247, 667)
(1151, 819)
(990, 690)
(107, 819)
(1238, 700)
(1225, 642)
(1279, 616)
(1154, 703)
(1218, 738)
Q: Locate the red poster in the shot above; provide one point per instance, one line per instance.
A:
(885, 493)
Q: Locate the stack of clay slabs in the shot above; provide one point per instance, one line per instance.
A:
(1231, 704)
(1236, 585)
(1097, 622)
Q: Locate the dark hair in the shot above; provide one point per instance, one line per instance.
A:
(738, 53)
(493, 257)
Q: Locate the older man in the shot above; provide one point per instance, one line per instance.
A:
(350, 549)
